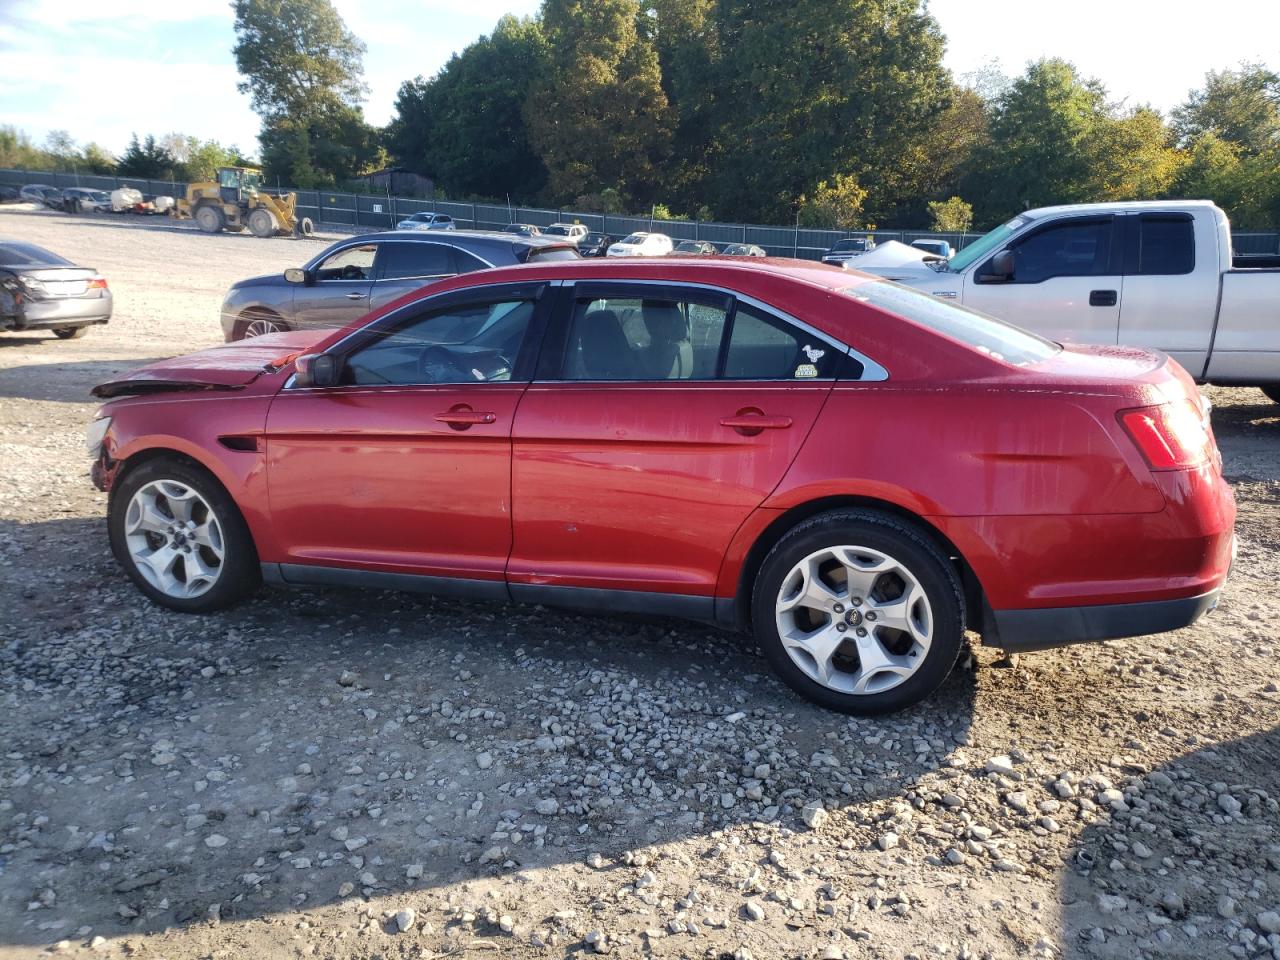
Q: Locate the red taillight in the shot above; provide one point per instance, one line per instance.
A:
(1171, 436)
(98, 283)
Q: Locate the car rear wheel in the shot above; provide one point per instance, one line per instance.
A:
(859, 612)
(181, 538)
(210, 219)
(70, 333)
(1273, 392)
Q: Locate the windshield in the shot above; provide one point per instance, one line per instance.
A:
(422, 217)
(635, 238)
(593, 238)
(250, 181)
(985, 244)
(557, 231)
(844, 246)
(986, 334)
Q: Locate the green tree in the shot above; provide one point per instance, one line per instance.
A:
(465, 126)
(834, 204)
(296, 56)
(806, 89)
(952, 215)
(1132, 157)
(147, 160)
(1040, 150)
(598, 116)
(17, 151)
(1240, 106)
(684, 37)
(303, 69)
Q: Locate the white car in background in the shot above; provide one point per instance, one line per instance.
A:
(642, 245)
(573, 232)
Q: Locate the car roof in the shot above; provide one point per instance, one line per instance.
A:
(1128, 205)
(715, 269)
(478, 237)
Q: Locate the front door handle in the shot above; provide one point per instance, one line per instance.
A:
(355, 296)
(465, 418)
(750, 424)
(1102, 298)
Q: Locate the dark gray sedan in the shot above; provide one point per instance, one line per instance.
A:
(360, 274)
(40, 290)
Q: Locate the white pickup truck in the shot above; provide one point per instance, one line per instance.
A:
(1150, 274)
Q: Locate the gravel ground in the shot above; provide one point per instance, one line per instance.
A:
(338, 774)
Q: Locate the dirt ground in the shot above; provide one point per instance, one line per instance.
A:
(348, 775)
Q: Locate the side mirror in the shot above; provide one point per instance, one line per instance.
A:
(1000, 269)
(317, 370)
(295, 275)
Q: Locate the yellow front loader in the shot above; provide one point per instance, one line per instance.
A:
(236, 200)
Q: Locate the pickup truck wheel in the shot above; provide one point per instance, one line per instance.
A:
(1273, 392)
(181, 538)
(858, 612)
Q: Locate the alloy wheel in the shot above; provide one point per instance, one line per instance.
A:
(174, 539)
(853, 619)
(261, 327)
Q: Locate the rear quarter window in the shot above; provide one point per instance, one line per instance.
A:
(1166, 245)
(985, 334)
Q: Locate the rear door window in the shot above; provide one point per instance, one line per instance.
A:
(1165, 246)
(405, 259)
(764, 347)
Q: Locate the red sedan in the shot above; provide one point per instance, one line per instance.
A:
(853, 471)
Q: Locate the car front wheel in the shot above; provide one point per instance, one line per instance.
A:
(181, 538)
(859, 612)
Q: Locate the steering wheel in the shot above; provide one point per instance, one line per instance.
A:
(352, 272)
(437, 364)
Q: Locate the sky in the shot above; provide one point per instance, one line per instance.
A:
(104, 70)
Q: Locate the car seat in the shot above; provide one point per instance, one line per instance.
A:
(669, 355)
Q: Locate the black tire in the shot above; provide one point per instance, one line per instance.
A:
(210, 218)
(262, 223)
(916, 552)
(240, 573)
(304, 228)
(1272, 390)
(70, 333)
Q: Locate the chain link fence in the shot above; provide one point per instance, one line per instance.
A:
(370, 211)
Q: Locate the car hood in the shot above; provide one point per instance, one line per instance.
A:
(228, 366)
(266, 280)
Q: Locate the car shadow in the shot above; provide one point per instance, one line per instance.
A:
(1183, 860)
(162, 223)
(67, 382)
(307, 748)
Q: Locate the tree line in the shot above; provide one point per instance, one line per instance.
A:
(826, 113)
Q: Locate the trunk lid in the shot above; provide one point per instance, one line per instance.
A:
(228, 366)
(56, 283)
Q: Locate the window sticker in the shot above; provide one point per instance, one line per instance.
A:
(813, 354)
(806, 371)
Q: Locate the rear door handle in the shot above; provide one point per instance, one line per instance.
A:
(462, 419)
(1102, 298)
(355, 296)
(750, 424)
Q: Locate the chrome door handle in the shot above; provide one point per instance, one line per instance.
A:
(355, 296)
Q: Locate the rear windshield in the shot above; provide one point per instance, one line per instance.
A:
(26, 254)
(843, 246)
(541, 255)
(986, 334)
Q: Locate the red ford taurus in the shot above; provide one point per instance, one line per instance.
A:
(853, 471)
